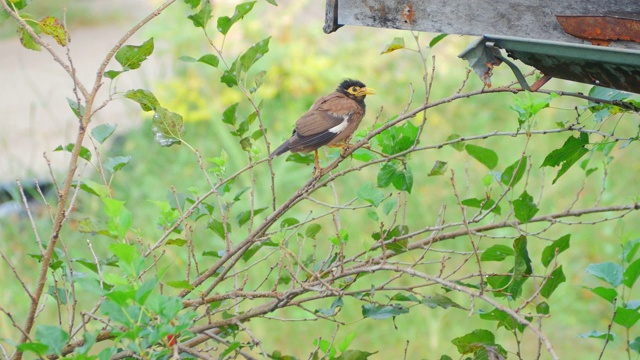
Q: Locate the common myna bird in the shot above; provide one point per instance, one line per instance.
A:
(331, 120)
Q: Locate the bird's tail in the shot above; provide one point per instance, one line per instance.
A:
(280, 150)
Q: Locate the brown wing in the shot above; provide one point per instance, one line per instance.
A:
(326, 118)
(326, 113)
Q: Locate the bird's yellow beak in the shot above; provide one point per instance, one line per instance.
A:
(366, 91)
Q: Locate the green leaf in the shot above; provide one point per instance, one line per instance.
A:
(131, 57)
(167, 127)
(209, 59)
(59, 294)
(27, 41)
(78, 109)
(543, 308)
(102, 132)
(497, 252)
(230, 76)
(187, 59)
(549, 252)
(17, 5)
(88, 264)
(397, 173)
(54, 28)
(176, 242)
(629, 250)
(112, 74)
(487, 157)
(34, 347)
(528, 105)
(218, 227)
(389, 206)
(397, 246)
(608, 294)
(300, 158)
(601, 111)
(459, 146)
(514, 172)
(370, 194)
(437, 39)
(115, 312)
(473, 341)
(312, 230)
(344, 344)
(483, 204)
(631, 273)
(180, 284)
(553, 281)
(53, 337)
(116, 163)
(504, 320)
(143, 292)
(168, 214)
(332, 310)
(570, 152)
(119, 221)
(635, 344)
(193, 3)
(439, 168)
(127, 254)
(230, 114)
(343, 237)
(289, 222)
(84, 152)
(406, 297)
(524, 208)
(522, 264)
(145, 98)
(245, 216)
(593, 334)
(354, 354)
(254, 53)
(609, 272)
(398, 139)
(94, 188)
(442, 301)
(396, 44)
(225, 22)
(379, 312)
(258, 79)
(626, 317)
(201, 18)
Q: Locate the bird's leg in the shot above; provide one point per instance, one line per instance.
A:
(316, 166)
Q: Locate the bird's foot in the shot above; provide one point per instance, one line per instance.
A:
(343, 151)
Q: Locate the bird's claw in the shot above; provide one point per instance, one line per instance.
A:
(343, 151)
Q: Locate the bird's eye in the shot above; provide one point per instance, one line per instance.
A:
(354, 89)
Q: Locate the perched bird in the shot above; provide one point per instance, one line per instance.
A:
(331, 120)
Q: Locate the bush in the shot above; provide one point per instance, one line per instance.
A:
(207, 247)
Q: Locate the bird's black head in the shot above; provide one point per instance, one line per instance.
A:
(355, 89)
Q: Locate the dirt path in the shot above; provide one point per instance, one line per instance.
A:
(34, 115)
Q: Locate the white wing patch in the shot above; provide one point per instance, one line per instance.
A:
(343, 125)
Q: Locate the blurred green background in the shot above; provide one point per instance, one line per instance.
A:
(304, 63)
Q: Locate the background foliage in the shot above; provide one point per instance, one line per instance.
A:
(482, 222)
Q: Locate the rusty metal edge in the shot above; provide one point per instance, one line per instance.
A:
(331, 17)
